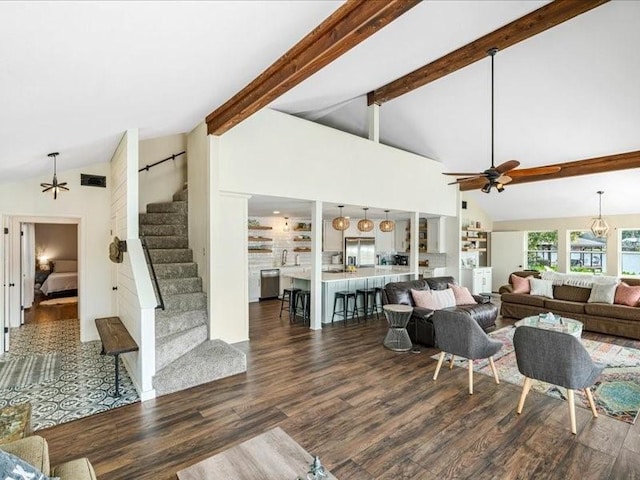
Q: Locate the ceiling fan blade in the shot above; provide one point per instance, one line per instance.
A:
(62, 187)
(525, 172)
(474, 174)
(506, 166)
(47, 189)
(504, 179)
(46, 185)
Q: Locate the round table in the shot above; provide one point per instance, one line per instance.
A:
(563, 324)
(397, 338)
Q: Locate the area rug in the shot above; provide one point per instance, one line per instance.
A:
(616, 392)
(59, 301)
(29, 370)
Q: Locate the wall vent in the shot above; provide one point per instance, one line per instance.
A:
(93, 180)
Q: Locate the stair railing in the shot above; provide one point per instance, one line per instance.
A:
(172, 157)
(147, 254)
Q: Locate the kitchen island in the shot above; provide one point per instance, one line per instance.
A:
(362, 278)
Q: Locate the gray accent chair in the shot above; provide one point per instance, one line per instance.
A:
(458, 334)
(557, 358)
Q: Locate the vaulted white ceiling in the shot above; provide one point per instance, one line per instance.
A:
(75, 75)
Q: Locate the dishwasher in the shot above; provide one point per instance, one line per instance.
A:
(269, 283)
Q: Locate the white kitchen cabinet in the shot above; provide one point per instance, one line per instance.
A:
(331, 238)
(385, 241)
(477, 280)
(353, 231)
(400, 235)
(428, 272)
(254, 286)
(435, 235)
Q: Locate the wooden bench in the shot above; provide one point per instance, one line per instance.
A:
(115, 340)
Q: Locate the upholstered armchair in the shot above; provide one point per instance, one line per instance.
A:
(557, 358)
(458, 334)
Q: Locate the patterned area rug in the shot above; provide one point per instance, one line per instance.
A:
(59, 301)
(616, 393)
(29, 370)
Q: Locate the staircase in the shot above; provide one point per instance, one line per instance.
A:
(184, 355)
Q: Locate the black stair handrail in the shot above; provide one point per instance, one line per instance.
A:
(147, 254)
(172, 157)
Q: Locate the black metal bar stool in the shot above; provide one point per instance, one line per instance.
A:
(303, 306)
(367, 294)
(344, 310)
(289, 296)
(377, 301)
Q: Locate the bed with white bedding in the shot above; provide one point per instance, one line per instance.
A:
(64, 277)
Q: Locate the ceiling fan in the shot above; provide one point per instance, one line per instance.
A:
(499, 176)
(54, 185)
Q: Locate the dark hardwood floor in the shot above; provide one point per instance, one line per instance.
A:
(366, 411)
(49, 313)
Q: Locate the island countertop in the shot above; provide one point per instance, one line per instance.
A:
(360, 273)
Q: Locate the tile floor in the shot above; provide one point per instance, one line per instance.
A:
(86, 383)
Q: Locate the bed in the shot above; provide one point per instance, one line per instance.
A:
(64, 277)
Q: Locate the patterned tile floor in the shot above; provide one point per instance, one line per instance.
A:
(86, 383)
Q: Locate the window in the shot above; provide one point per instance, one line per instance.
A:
(542, 250)
(630, 252)
(587, 253)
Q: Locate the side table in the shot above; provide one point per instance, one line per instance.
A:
(397, 338)
(15, 422)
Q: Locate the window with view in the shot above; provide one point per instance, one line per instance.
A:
(630, 252)
(542, 250)
(587, 253)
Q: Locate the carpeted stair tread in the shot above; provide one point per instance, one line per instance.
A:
(164, 230)
(169, 241)
(171, 286)
(181, 196)
(173, 346)
(176, 270)
(171, 255)
(209, 361)
(163, 219)
(169, 323)
(185, 302)
(167, 207)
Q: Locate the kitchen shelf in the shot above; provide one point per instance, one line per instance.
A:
(260, 250)
(260, 227)
(302, 249)
(301, 229)
(474, 249)
(301, 239)
(473, 229)
(474, 239)
(260, 239)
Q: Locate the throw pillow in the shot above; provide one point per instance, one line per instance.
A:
(14, 468)
(544, 288)
(520, 284)
(627, 295)
(462, 295)
(602, 293)
(556, 278)
(434, 299)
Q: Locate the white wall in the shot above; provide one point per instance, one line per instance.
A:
(56, 241)
(564, 225)
(89, 206)
(136, 300)
(159, 183)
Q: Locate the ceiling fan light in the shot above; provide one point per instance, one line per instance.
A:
(500, 187)
(365, 225)
(340, 223)
(486, 188)
(386, 225)
(54, 186)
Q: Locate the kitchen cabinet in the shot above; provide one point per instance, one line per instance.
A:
(254, 286)
(385, 241)
(331, 238)
(435, 235)
(400, 235)
(477, 280)
(428, 272)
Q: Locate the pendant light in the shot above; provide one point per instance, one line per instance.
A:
(340, 223)
(54, 185)
(286, 225)
(386, 225)
(599, 227)
(365, 225)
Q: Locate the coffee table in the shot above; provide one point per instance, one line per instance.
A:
(274, 454)
(564, 325)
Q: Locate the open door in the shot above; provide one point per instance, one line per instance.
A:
(4, 298)
(508, 254)
(27, 267)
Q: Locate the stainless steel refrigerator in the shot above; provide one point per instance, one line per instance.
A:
(360, 251)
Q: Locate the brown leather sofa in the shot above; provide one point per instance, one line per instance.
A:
(571, 302)
(484, 312)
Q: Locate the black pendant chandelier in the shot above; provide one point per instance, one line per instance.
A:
(54, 185)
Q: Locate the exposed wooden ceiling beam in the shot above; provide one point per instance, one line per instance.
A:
(345, 28)
(609, 163)
(524, 27)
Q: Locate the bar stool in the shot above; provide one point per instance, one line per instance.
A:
(289, 296)
(377, 301)
(343, 312)
(302, 306)
(366, 294)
